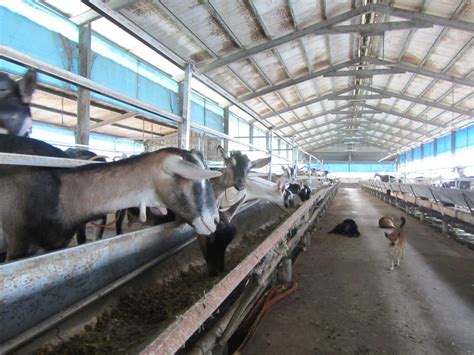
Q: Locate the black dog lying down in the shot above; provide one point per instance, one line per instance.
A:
(347, 227)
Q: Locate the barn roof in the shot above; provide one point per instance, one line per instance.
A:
(336, 76)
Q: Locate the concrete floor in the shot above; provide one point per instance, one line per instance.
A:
(349, 301)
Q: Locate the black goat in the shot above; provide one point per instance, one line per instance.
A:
(15, 98)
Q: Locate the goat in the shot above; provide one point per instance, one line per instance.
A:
(290, 173)
(386, 178)
(234, 175)
(347, 227)
(15, 98)
(52, 203)
(30, 146)
(84, 154)
(295, 194)
(237, 168)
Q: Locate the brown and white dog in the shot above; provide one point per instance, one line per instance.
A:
(397, 244)
(386, 222)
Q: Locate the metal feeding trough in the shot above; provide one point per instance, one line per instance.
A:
(42, 297)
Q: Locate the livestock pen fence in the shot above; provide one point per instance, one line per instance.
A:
(444, 208)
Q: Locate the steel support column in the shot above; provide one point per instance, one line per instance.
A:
(83, 96)
(226, 126)
(270, 150)
(184, 128)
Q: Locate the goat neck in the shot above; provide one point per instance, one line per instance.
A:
(98, 189)
(221, 183)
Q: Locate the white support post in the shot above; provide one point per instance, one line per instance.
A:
(184, 128)
(226, 127)
(295, 151)
(251, 134)
(83, 96)
(270, 150)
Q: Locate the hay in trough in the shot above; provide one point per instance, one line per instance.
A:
(142, 313)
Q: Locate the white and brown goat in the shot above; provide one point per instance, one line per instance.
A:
(29, 146)
(41, 208)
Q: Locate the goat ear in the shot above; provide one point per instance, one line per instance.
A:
(223, 153)
(27, 86)
(174, 165)
(260, 163)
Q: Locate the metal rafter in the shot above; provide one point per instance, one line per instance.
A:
(150, 41)
(336, 136)
(262, 25)
(368, 128)
(418, 16)
(418, 100)
(303, 50)
(359, 97)
(299, 80)
(402, 115)
(391, 134)
(365, 73)
(429, 73)
(307, 103)
(288, 38)
(456, 13)
(367, 143)
(323, 28)
(312, 117)
(441, 76)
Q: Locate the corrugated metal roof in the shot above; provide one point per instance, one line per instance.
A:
(420, 105)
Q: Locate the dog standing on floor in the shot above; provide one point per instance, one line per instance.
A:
(397, 244)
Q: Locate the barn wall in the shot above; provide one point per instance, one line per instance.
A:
(53, 39)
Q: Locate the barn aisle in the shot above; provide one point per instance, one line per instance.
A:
(349, 301)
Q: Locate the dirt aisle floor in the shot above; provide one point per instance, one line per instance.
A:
(349, 301)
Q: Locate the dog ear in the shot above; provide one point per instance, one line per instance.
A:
(386, 235)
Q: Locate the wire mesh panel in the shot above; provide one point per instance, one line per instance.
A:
(422, 191)
(469, 196)
(395, 187)
(454, 196)
(406, 189)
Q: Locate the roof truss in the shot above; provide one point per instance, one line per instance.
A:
(324, 28)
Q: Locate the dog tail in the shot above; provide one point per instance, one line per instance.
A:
(403, 222)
